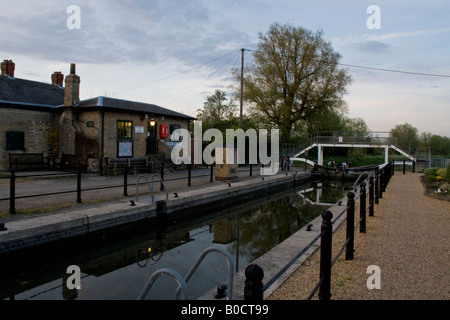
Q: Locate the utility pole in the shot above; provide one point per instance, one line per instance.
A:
(242, 84)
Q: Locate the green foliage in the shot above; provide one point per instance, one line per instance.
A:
(447, 173)
(430, 174)
(441, 174)
(295, 80)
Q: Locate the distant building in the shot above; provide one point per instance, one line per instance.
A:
(37, 117)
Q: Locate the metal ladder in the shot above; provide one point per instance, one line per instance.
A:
(182, 282)
(150, 186)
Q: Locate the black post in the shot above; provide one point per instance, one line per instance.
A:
(211, 174)
(371, 196)
(162, 173)
(362, 208)
(79, 184)
(325, 256)
(251, 168)
(253, 289)
(125, 181)
(380, 190)
(12, 192)
(404, 166)
(377, 181)
(189, 174)
(349, 249)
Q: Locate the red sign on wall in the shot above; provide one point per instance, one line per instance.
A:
(164, 131)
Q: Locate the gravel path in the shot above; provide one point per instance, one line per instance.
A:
(407, 239)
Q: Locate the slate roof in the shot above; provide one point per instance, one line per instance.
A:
(127, 105)
(15, 92)
(29, 92)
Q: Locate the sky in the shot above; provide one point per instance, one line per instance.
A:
(175, 53)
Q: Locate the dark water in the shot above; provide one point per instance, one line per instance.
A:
(119, 269)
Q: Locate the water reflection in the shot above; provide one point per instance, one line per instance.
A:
(116, 266)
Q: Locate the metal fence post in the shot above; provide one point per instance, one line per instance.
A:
(162, 173)
(350, 234)
(362, 208)
(380, 190)
(325, 256)
(189, 174)
(125, 181)
(79, 184)
(12, 192)
(371, 196)
(211, 174)
(377, 182)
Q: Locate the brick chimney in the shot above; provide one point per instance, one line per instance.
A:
(72, 88)
(67, 130)
(57, 78)
(8, 67)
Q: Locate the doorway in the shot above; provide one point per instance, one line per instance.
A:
(151, 138)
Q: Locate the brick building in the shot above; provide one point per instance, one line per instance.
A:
(46, 118)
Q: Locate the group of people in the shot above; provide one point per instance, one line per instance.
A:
(344, 165)
(286, 164)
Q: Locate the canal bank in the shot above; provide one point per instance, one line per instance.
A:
(279, 263)
(39, 230)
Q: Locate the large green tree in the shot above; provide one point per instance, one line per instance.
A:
(406, 134)
(220, 112)
(295, 79)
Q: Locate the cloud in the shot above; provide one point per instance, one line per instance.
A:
(372, 46)
(121, 31)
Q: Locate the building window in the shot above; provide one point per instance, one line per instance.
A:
(174, 136)
(124, 138)
(124, 129)
(15, 140)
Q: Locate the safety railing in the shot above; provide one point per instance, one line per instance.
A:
(337, 138)
(78, 182)
(150, 186)
(182, 282)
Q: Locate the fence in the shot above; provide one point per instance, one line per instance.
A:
(78, 185)
(376, 187)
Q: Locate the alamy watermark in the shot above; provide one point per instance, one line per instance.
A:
(374, 20)
(74, 20)
(74, 280)
(189, 150)
(374, 280)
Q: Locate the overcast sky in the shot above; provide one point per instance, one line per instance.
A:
(175, 53)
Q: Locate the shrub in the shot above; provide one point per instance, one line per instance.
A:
(430, 174)
(440, 174)
(447, 173)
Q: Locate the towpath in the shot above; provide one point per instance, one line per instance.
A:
(408, 239)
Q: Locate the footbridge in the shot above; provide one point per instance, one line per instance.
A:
(323, 139)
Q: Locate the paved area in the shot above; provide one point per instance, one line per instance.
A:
(408, 239)
(96, 189)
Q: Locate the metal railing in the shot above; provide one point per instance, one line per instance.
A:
(150, 186)
(79, 190)
(377, 183)
(182, 282)
(338, 138)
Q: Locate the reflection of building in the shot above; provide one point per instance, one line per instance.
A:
(37, 117)
(225, 231)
